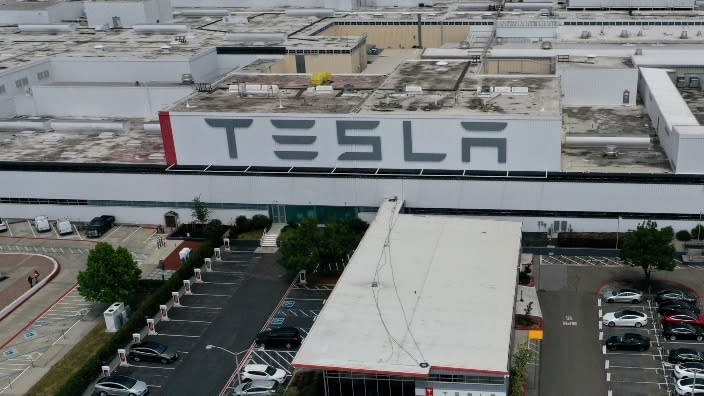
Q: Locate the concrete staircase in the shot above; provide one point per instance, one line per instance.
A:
(269, 238)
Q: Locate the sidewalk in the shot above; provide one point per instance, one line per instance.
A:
(51, 322)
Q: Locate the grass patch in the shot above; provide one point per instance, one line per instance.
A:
(254, 235)
(71, 362)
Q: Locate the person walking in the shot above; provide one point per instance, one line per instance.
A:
(30, 279)
(35, 275)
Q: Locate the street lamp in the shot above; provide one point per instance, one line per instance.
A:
(235, 354)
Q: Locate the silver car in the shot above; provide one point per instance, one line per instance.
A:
(626, 317)
(624, 295)
(120, 385)
(256, 388)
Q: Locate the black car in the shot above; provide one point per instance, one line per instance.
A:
(683, 355)
(668, 307)
(682, 331)
(675, 295)
(286, 337)
(630, 341)
(152, 351)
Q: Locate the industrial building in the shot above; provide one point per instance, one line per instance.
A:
(409, 315)
(562, 119)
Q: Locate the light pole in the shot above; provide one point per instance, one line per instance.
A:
(699, 225)
(235, 354)
(618, 229)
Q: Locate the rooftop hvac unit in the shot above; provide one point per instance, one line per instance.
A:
(47, 28)
(413, 89)
(625, 34)
(236, 19)
(324, 89)
(257, 37)
(316, 12)
(347, 88)
(639, 51)
(254, 89)
(161, 28)
(683, 35)
(585, 34)
(611, 151)
(591, 59)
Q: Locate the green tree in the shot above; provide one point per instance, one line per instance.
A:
(111, 275)
(243, 224)
(200, 212)
(649, 248)
(213, 232)
(302, 248)
(522, 357)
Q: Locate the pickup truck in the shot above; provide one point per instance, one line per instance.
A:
(99, 225)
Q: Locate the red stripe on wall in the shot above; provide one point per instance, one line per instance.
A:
(167, 137)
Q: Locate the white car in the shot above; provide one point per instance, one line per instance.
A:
(626, 317)
(689, 386)
(257, 372)
(41, 223)
(688, 370)
(3, 225)
(624, 295)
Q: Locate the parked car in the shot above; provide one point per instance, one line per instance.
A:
(257, 388)
(626, 317)
(254, 372)
(3, 225)
(286, 337)
(64, 227)
(689, 386)
(152, 351)
(675, 295)
(683, 317)
(624, 295)
(41, 223)
(629, 341)
(670, 306)
(120, 385)
(100, 225)
(688, 370)
(682, 331)
(683, 355)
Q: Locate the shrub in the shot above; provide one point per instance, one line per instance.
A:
(588, 239)
(260, 222)
(213, 232)
(243, 224)
(232, 234)
(683, 235)
(698, 231)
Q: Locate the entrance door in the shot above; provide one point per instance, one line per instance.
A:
(277, 214)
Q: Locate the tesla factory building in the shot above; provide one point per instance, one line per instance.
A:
(565, 120)
(409, 315)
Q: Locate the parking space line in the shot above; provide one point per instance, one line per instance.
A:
(31, 229)
(210, 295)
(130, 235)
(227, 272)
(222, 283)
(110, 233)
(636, 367)
(192, 306)
(189, 321)
(178, 335)
(153, 367)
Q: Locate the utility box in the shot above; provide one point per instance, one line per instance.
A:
(114, 317)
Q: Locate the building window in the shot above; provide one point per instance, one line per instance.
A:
(22, 82)
(42, 75)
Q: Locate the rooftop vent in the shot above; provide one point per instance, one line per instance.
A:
(591, 59)
(611, 151)
(187, 78)
(546, 45)
(348, 88)
(236, 19)
(639, 51)
(165, 48)
(99, 47)
(624, 34)
(324, 89)
(585, 34)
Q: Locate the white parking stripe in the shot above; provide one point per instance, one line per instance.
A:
(110, 233)
(211, 295)
(31, 229)
(178, 335)
(130, 235)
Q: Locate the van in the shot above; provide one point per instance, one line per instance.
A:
(64, 227)
(41, 223)
(286, 337)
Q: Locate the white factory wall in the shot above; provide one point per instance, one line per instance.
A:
(16, 17)
(158, 11)
(630, 4)
(582, 86)
(688, 147)
(438, 193)
(230, 62)
(508, 32)
(65, 11)
(130, 13)
(532, 144)
(204, 66)
(16, 99)
(96, 101)
(119, 70)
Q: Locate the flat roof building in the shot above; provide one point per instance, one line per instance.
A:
(425, 302)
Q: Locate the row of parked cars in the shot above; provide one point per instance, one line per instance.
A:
(681, 320)
(256, 379)
(96, 228)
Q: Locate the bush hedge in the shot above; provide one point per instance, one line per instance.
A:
(77, 384)
(697, 231)
(605, 240)
(683, 235)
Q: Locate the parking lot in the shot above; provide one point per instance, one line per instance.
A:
(570, 296)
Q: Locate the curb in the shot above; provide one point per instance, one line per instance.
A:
(29, 293)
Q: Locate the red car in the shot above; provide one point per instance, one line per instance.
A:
(684, 317)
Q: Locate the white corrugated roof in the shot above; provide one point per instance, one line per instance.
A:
(669, 100)
(455, 279)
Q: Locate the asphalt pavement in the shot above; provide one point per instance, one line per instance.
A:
(203, 372)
